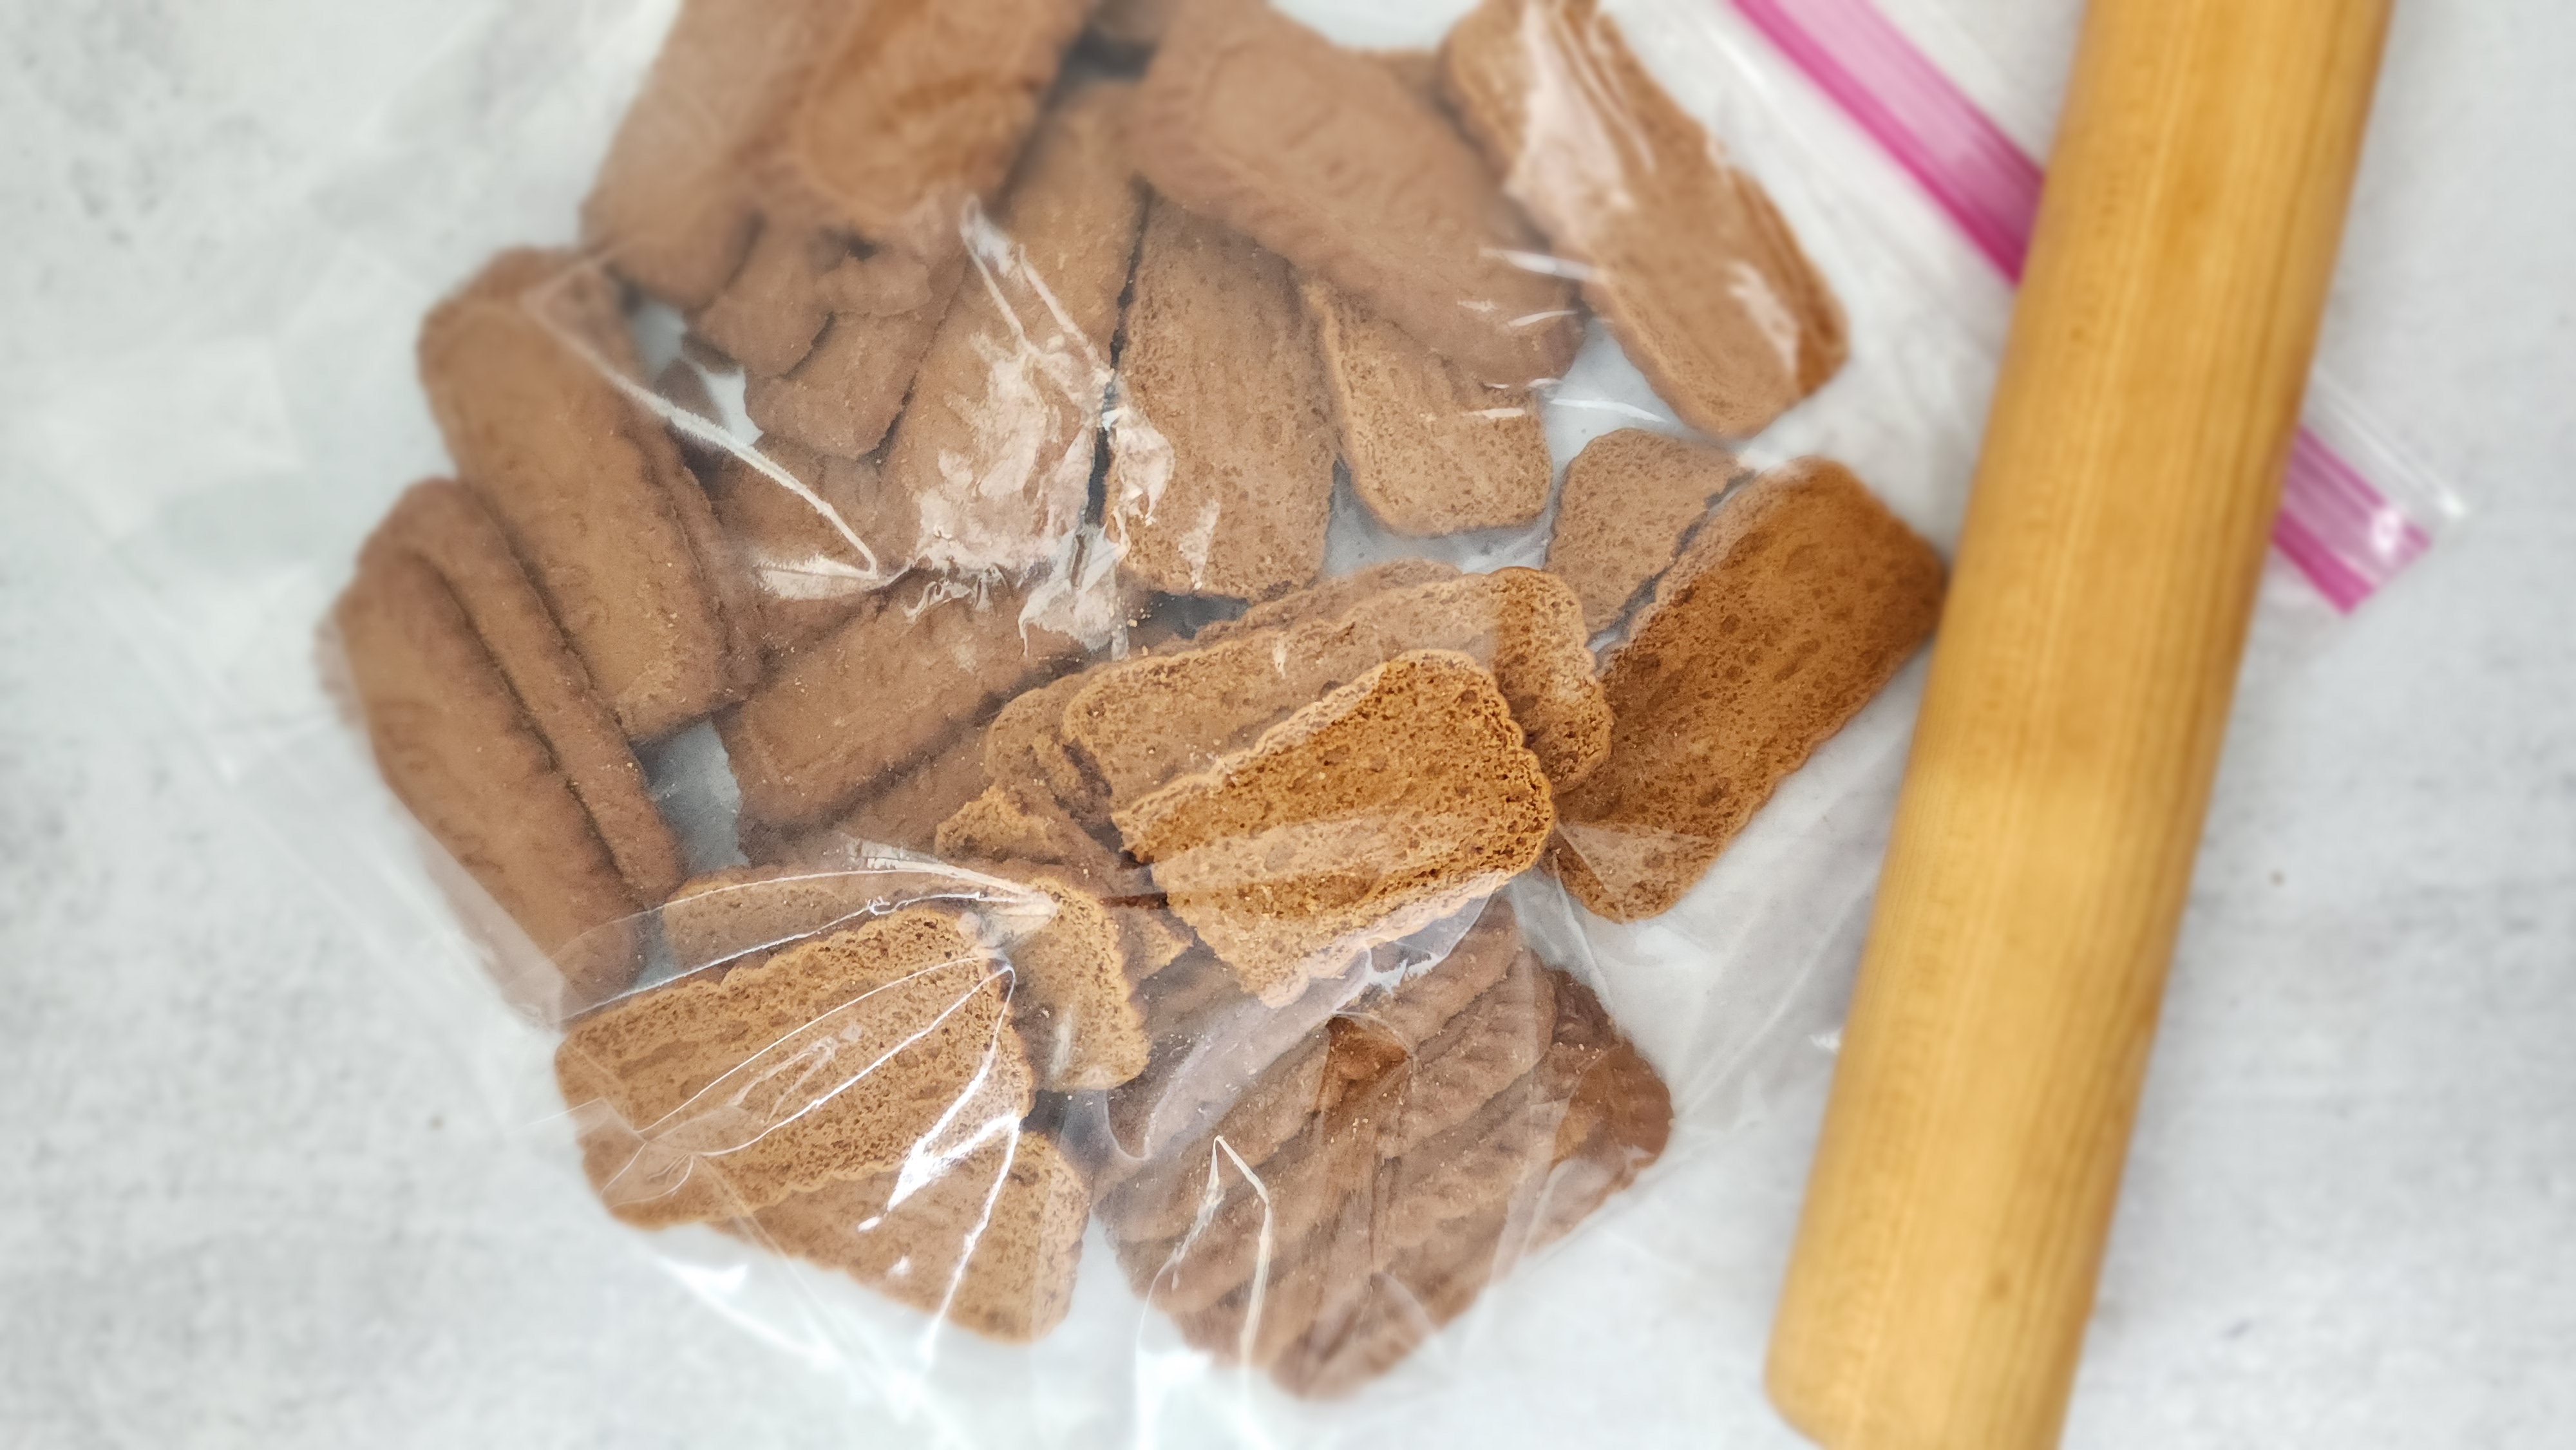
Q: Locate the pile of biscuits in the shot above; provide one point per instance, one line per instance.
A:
(1100, 858)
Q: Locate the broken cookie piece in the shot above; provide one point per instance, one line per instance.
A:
(1631, 498)
(1793, 607)
(989, 1240)
(1140, 723)
(1221, 483)
(1682, 253)
(719, 1095)
(1430, 450)
(1369, 814)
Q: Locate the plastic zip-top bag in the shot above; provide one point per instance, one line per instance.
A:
(1146, 717)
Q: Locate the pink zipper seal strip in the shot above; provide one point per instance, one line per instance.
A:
(2339, 530)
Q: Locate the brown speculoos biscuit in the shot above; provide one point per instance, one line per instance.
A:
(1322, 155)
(1631, 499)
(720, 1094)
(1788, 613)
(675, 205)
(522, 371)
(1221, 480)
(1141, 723)
(877, 695)
(1376, 811)
(486, 728)
(996, 447)
(1684, 254)
(1430, 450)
(923, 104)
(990, 1241)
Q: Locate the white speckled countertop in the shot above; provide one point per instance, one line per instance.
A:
(247, 1197)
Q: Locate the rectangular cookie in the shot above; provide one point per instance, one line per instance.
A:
(989, 1241)
(674, 208)
(1430, 450)
(1796, 603)
(1376, 811)
(876, 695)
(996, 447)
(922, 105)
(1322, 155)
(1221, 475)
(1684, 255)
(1631, 499)
(1141, 723)
(718, 1095)
(485, 727)
(522, 370)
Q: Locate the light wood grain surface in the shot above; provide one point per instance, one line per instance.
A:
(1962, 1193)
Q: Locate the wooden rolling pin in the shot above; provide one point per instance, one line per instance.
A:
(2079, 691)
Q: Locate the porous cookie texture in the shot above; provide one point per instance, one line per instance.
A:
(1141, 723)
(1631, 499)
(676, 203)
(522, 370)
(1322, 155)
(875, 696)
(486, 728)
(719, 1095)
(990, 1241)
(1380, 808)
(1788, 612)
(1221, 478)
(1075, 1007)
(996, 448)
(1430, 450)
(923, 104)
(1683, 253)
